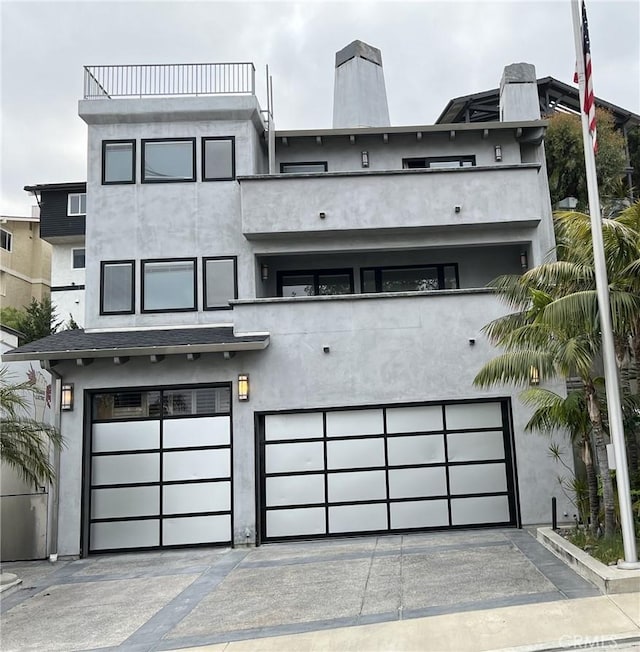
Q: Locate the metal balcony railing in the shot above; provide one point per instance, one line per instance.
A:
(167, 80)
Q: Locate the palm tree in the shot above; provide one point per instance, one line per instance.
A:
(24, 441)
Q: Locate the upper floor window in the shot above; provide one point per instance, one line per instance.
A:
(6, 240)
(77, 258)
(301, 168)
(412, 278)
(439, 162)
(77, 204)
(169, 285)
(168, 159)
(218, 158)
(118, 161)
(220, 282)
(117, 282)
(315, 283)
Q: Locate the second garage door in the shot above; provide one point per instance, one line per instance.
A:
(389, 468)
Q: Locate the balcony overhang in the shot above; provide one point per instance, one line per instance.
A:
(83, 346)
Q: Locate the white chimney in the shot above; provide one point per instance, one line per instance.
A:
(359, 96)
(519, 93)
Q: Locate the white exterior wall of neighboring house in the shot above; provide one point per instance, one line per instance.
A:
(68, 301)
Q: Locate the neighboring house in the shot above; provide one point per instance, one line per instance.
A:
(23, 507)
(25, 262)
(63, 208)
(282, 327)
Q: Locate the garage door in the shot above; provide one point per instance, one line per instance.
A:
(159, 469)
(392, 468)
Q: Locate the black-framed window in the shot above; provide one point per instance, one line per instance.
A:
(409, 278)
(218, 158)
(166, 160)
(78, 258)
(117, 287)
(439, 162)
(77, 204)
(220, 281)
(118, 161)
(169, 285)
(302, 168)
(315, 283)
(6, 240)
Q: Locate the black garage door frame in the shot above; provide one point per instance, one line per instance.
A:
(509, 460)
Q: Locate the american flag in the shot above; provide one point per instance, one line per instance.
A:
(589, 100)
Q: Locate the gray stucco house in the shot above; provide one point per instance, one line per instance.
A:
(281, 328)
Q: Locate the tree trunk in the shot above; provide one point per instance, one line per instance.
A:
(608, 499)
(592, 487)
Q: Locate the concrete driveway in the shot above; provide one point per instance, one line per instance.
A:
(176, 599)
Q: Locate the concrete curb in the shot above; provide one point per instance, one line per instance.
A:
(8, 581)
(608, 579)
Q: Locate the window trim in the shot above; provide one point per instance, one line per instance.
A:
(379, 269)
(144, 142)
(129, 141)
(439, 159)
(132, 264)
(203, 157)
(76, 194)
(74, 249)
(316, 273)
(9, 240)
(204, 281)
(301, 163)
(144, 261)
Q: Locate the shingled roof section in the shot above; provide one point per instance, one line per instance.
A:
(77, 343)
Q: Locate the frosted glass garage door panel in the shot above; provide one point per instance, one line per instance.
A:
(295, 490)
(293, 426)
(196, 529)
(354, 422)
(483, 509)
(474, 415)
(205, 431)
(477, 478)
(295, 522)
(125, 534)
(125, 436)
(359, 485)
(355, 453)
(357, 518)
(125, 501)
(424, 513)
(196, 465)
(305, 456)
(427, 449)
(197, 497)
(472, 446)
(417, 483)
(414, 419)
(125, 469)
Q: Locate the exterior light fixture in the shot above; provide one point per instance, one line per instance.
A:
(365, 159)
(534, 376)
(498, 152)
(524, 259)
(66, 397)
(243, 387)
(265, 271)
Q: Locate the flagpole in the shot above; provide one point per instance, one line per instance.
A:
(616, 427)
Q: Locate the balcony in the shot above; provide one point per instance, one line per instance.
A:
(364, 201)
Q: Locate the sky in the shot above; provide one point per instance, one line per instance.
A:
(432, 51)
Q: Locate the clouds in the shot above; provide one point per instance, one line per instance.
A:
(432, 51)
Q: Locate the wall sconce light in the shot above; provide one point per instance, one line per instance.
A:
(524, 259)
(243, 387)
(66, 397)
(264, 271)
(498, 152)
(365, 159)
(322, 215)
(534, 376)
